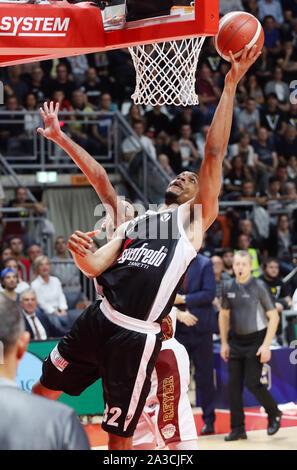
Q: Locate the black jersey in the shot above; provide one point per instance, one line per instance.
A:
(155, 255)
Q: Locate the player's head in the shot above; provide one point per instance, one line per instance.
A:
(182, 189)
(108, 224)
(242, 265)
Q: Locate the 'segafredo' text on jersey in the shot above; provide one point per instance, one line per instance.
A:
(144, 255)
(143, 280)
(33, 26)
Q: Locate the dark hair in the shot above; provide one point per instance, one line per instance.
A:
(9, 259)
(11, 322)
(268, 261)
(227, 250)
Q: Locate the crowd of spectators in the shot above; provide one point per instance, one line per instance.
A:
(260, 167)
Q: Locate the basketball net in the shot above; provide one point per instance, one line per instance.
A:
(166, 72)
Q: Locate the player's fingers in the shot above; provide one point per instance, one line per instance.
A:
(81, 241)
(40, 131)
(245, 53)
(51, 107)
(83, 236)
(45, 107)
(75, 248)
(57, 108)
(93, 234)
(231, 57)
(42, 113)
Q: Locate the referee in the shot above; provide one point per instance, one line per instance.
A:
(248, 322)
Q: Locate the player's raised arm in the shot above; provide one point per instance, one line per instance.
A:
(95, 173)
(210, 177)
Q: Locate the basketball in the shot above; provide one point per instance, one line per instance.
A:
(237, 29)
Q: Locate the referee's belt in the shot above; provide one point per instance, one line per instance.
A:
(129, 323)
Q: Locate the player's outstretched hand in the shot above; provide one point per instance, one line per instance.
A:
(49, 115)
(80, 243)
(240, 66)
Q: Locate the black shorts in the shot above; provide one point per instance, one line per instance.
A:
(97, 348)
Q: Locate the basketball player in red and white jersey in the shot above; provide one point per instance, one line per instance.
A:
(127, 318)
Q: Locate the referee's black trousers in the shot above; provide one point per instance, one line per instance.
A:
(245, 368)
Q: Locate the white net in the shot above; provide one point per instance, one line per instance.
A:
(166, 72)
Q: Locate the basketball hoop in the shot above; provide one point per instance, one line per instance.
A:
(165, 72)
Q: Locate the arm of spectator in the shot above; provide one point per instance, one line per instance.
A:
(62, 303)
(95, 173)
(186, 318)
(207, 291)
(97, 136)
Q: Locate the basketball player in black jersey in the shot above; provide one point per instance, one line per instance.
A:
(120, 341)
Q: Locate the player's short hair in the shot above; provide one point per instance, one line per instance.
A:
(244, 254)
(11, 322)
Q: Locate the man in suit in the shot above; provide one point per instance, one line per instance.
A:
(196, 325)
(29, 422)
(36, 322)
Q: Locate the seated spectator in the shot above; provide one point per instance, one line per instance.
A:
(11, 133)
(251, 6)
(245, 226)
(281, 173)
(278, 87)
(49, 293)
(208, 91)
(38, 84)
(64, 105)
(64, 268)
(292, 169)
(227, 258)
(250, 194)
(5, 254)
(162, 142)
(31, 122)
(33, 252)
(121, 67)
(62, 82)
(292, 115)
(265, 155)
(164, 163)
(131, 146)
(244, 243)
(227, 6)
(287, 146)
(9, 280)
(188, 149)
(271, 8)
(175, 157)
(288, 63)
(220, 276)
(272, 194)
(234, 178)
(248, 119)
(272, 35)
(263, 66)
(102, 129)
(210, 57)
(92, 87)
(254, 90)
(17, 249)
(272, 118)
(186, 115)
(279, 244)
(280, 292)
(244, 150)
(13, 264)
(79, 66)
(14, 85)
(79, 123)
(156, 119)
(135, 114)
(36, 322)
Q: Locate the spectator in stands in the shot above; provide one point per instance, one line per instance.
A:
(244, 150)
(11, 132)
(272, 194)
(272, 36)
(92, 87)
(36, 322)
(13, 264)
(278, 87)
(121, 67)
(157, 120)
(102, 129)
(17, 248)
(201, 140)
(252, 7)
(5, 254)
(64, 268)
(254, 90)
(50, 296)
(270, 8)
(280, 292)
(38, 84)
(208, 91)
(164, 163)
(175, 157)
(62, 82)
(234, 178)
(220, 276)
(135, 114)
(288, 63)
(263, 66)
(9, 280)
(287, 146)
(64, 105)
(21, 200)
(31, 122)
(227, 257)
(272, 118)
(279, 244)
(245, 226)
(244, 244)
(292, 169)
(33, 252)
(131, 146)
(188, 149)
(79, 124)
(14, 85)
(79, 66)
(186, 115)
(265, 155)
(227, 6)
(248, 119)
(281, 173)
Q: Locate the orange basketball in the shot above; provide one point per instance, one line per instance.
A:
(237, 29)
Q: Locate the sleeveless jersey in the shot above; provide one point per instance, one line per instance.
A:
(156, 252)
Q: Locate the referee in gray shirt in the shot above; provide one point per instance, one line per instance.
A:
(248, 321)
(29, 422)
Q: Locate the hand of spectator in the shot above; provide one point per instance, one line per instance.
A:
(62, 313)
(225, 352)
(240, 66)
(81, 243)
(216, 302)
(187, 318)
(279, 307)
(179, 299)
(49, 115)
(264, 353)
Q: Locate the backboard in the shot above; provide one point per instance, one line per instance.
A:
(32, 32)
